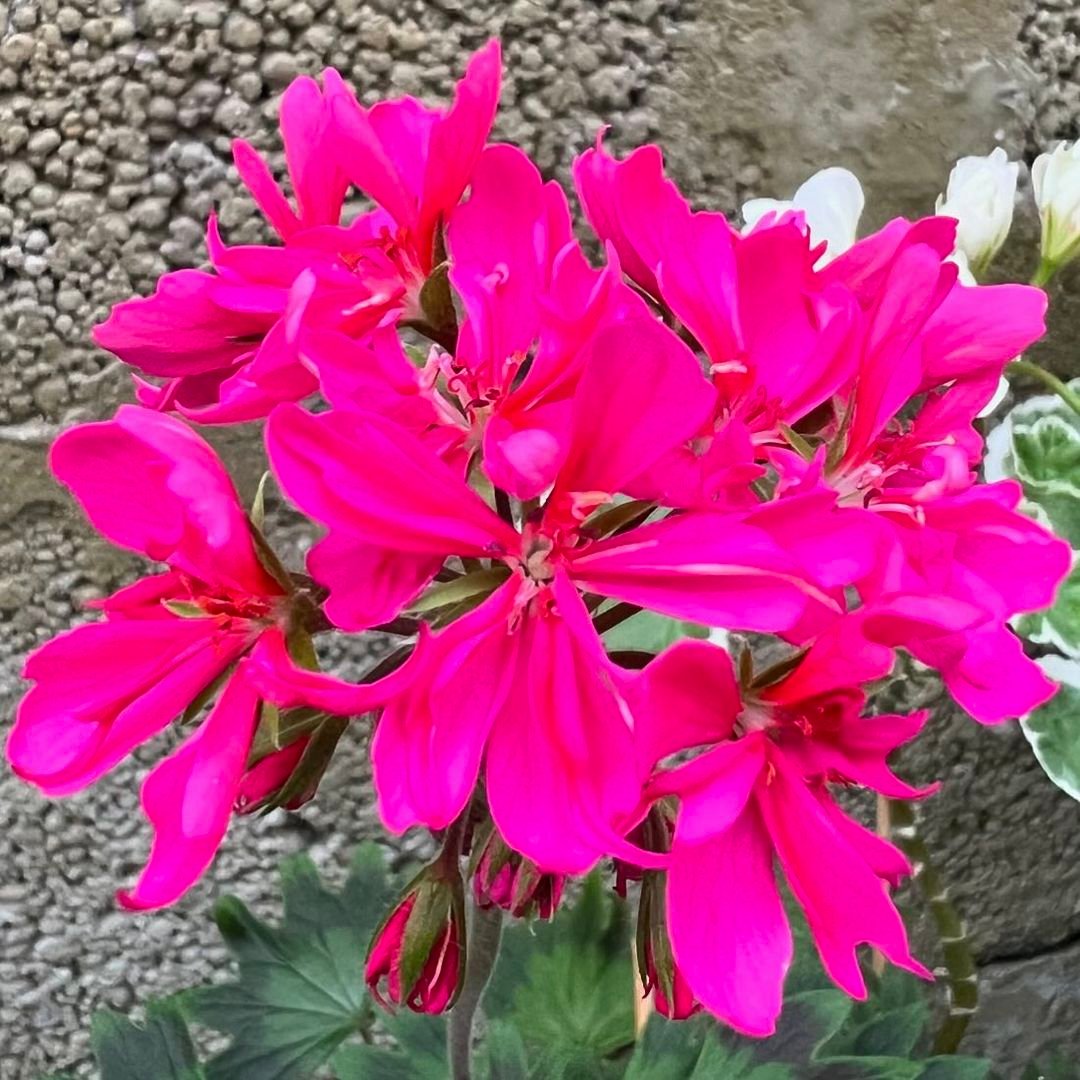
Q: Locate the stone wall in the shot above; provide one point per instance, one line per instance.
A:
(115, 123)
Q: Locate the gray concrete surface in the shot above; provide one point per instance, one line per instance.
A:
(115, 121)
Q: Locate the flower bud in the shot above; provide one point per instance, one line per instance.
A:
(419, 949)
(980, 195)
(269, 776)
(831, 202)
(657, 969)
(505, 879)
(1056, 179)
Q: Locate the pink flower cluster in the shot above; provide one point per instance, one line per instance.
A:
(708, 425)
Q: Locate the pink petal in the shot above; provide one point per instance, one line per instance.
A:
(560, 769)
(149, 483)
(457, 141)
(684, 698)
(189, 799)
(365, 159)
(700, 567)
(378, 483)
(698, 281)
(496, 264)
(278, 678)
(994, 680)
(977, 330)
(845, 902)
(181, 329)
(642, 393)
(307, 132)
(886, 860)
(104, 689)
(427, 746)
(256, 176)
(368, 585)
(713, 788)
(729, 933)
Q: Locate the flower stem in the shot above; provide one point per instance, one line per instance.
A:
(1044, 273)
(485, 933)
(1063, 391)
(961, 975)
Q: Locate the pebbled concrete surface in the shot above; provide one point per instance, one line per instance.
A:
(115, 121)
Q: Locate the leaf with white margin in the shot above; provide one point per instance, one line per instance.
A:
(1058, 626)
(1054, 729)
(1038, 443)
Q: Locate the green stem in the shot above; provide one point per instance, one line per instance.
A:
(485, 934)
(1044, 273)
(1052, 382)
(961, 975)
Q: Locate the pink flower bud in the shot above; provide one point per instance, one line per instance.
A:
(268, 777)
(658, 971)
(418, 950)
(506, 879)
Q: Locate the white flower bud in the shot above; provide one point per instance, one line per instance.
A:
(1056, 179)
(980, 195)
(832, 201)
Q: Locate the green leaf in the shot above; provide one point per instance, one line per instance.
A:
(505, 1054)
(865, 1068)
(649, 632)
(1058, 626)
(161, 1048)
(568, 986)
(696, 1050)
(955, 1068)
(1047, 451)
(300, 990)
(1054, 728)
(1038, 443)
(420, 1053)
(807, 1022)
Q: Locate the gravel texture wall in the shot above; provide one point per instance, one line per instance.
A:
(115, 123)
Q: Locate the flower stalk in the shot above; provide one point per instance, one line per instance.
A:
(960, 972)
(484, 937)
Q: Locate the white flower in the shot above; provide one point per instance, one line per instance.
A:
(1056, 179)
(980, 195)
(832, 201)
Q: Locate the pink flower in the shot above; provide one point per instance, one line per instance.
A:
(150, 484)
(226, 343)
(757, 794)
(850, 346)
(416, 162)
(522, 682)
